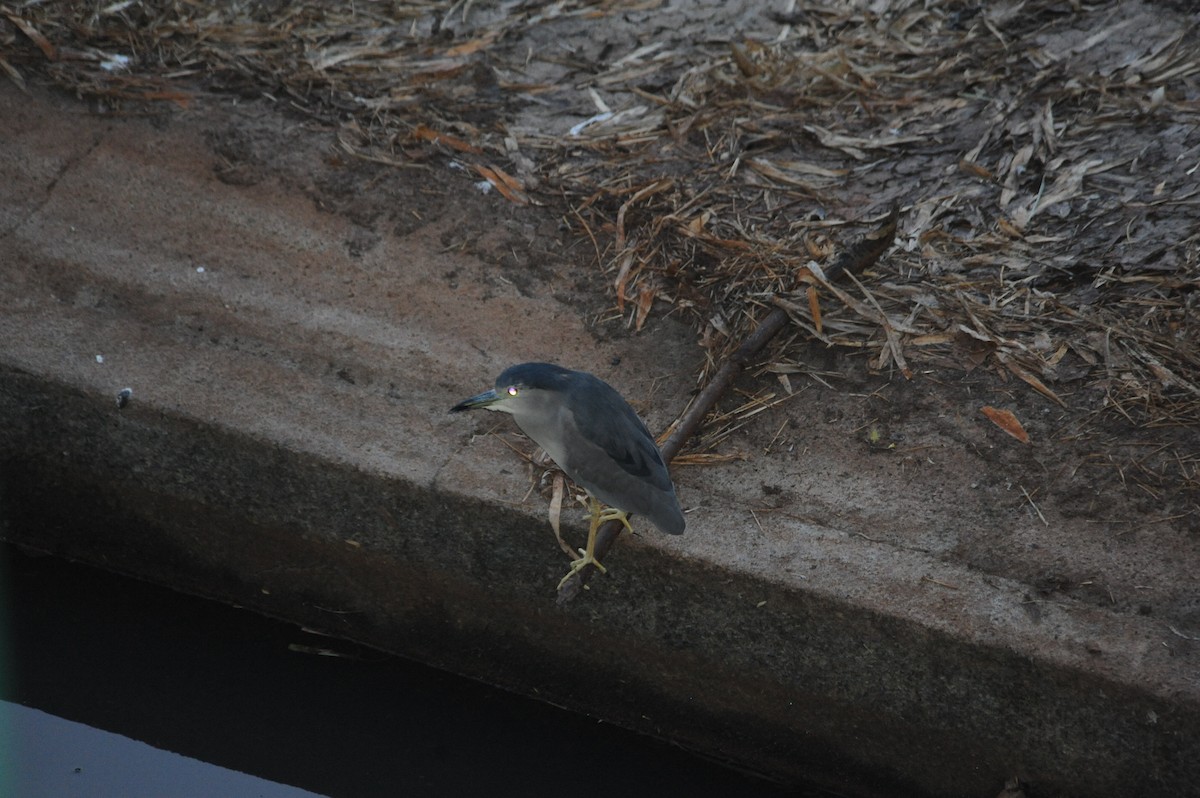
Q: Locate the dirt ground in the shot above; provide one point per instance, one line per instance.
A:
(1046, 265)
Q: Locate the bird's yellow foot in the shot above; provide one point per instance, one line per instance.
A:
(613, 514)
(578, 565)
(599, 517)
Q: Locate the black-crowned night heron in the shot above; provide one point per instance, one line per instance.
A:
(595, 437)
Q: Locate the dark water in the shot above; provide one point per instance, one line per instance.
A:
(221, 686)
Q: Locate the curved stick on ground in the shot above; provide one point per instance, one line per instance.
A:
(854, 260)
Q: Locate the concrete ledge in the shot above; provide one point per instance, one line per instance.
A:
(801, 686)
(287, 449)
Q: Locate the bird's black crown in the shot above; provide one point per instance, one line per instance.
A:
(539, 376)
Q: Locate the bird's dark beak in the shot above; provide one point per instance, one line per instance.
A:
(481, 400)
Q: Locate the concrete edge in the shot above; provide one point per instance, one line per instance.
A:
(801, 687)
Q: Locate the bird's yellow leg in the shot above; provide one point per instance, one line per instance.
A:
(613, 514)
(598, 517)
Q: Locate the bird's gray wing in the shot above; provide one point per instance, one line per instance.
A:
(606, 420)
(614, 457)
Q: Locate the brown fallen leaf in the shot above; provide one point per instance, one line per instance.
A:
(37, 38)
(742, 59)
(1005, 420)
(474, 45)
(972, 168)
(814, 306)
(505, 183)
(644, 301)
(426, 133)
(1008, 228)
(1032, 379)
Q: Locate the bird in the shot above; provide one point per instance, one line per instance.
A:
(596, 438)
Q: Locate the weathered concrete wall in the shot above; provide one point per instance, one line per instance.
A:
(287, 449)
(802, 685)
